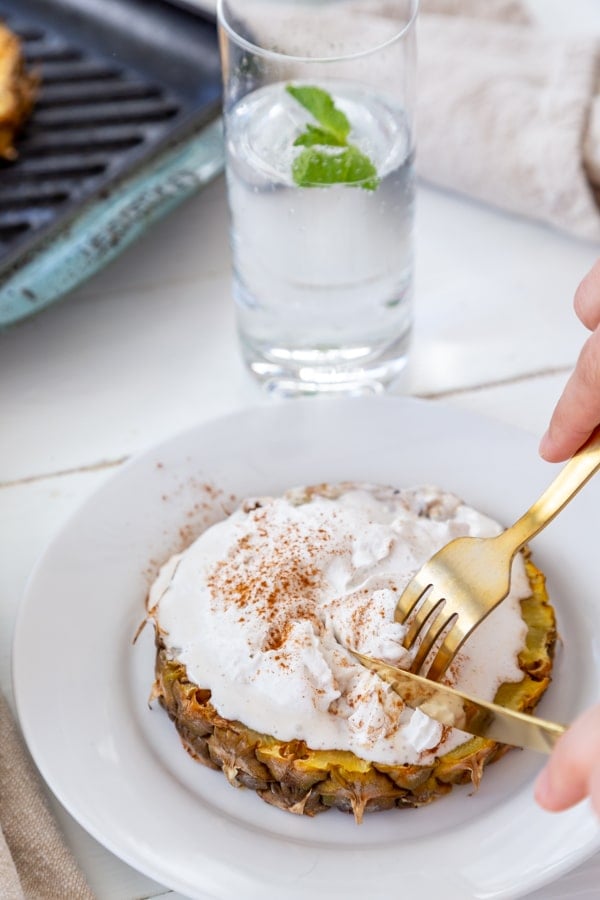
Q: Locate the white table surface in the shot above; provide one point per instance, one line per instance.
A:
(148, 347)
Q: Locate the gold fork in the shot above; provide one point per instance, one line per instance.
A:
(462, 583)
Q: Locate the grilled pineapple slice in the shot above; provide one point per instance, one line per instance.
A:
(290, 775)
(17, 92)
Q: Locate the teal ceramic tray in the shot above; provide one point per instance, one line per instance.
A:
(126, 126)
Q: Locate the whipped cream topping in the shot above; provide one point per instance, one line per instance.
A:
(263, 606)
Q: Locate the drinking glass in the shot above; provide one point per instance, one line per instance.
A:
(318, 114)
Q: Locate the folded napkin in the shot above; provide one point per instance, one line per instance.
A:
(506, 113)
(510, 114)
(35, 863)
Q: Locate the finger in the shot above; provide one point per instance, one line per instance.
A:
(595, 791)
(587, 298)
(577, 412)
(573, 770)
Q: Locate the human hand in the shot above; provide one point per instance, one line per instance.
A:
(573, 770)
(577, 412)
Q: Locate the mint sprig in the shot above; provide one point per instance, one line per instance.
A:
(316, 167)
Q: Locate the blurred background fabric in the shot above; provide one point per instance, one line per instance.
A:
(510, 114)
(498, 10)
(35, 862)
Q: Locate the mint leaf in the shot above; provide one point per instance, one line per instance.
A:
(314, 135)
(317, 168)
(320, 104)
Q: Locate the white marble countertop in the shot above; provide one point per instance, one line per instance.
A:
(148, 347)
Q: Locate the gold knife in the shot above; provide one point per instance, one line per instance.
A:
(451, 707)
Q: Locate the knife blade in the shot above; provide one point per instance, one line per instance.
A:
(478, 717)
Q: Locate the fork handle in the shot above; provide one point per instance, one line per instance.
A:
(568, 482)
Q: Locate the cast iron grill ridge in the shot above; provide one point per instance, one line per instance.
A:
(87, 116)
(93, 120)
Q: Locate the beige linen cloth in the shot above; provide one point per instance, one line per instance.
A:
(509, 114)
(506, 113)
(35, 863)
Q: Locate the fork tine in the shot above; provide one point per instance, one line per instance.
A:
(408, 600)
(438, 623)
(448, 649)
(428, 607)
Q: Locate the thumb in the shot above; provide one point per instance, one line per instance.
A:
(573, 771)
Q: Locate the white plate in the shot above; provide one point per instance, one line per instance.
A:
(117, 766)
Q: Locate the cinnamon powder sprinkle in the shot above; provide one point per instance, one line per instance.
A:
(275, 575)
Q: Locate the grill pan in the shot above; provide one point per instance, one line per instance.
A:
(126, 125)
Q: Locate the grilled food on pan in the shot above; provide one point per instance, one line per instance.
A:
(253, 622)
(17, 92)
